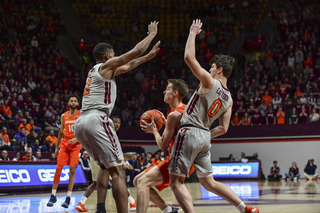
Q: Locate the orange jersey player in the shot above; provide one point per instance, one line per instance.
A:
(158, 175)
(69, 150)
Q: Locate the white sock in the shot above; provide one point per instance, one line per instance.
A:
(131, 200)
(167, 210)
(69, 193)
(54, 192)
(241, 207)
(83, 200)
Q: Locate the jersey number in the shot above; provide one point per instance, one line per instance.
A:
(215, 106)
(71, 128)
(86, 89)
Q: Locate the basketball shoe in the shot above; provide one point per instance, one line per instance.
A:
(250, 209)
(66, 202)
(176, 210)
(52, 200)
(133, 206)
(81, 208)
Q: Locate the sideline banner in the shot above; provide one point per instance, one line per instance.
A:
(17, 175)
(236, 169)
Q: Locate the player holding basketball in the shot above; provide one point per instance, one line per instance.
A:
(212, 100)
(158, 175)
(95, 169)
(69, 150)
(94, 128)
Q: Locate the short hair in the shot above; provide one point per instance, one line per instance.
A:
(115, 117)
(224, 61)
(72, 96)
(275, 161)
(180, 85)
(100, 50)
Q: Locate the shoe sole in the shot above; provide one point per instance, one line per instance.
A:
(50, 205)
(81, 210)
(65, 206)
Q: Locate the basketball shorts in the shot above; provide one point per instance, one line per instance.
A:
(69, 153)
(192, 146)
(164, 169)
(95, 132)
(95, 168)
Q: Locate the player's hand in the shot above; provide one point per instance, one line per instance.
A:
(196, 26)
(164, 119)
(148, 127)
(155, 49)
(153, 28)
(56, 153)
(73, 141)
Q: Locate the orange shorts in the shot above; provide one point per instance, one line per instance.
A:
(164, 169)
(69, 153)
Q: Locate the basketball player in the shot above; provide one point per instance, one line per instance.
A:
(158, 175)
(69, 150)
(95, 170)
(94, 128)
(212, 100)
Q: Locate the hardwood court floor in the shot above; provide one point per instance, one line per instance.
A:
(269, 197)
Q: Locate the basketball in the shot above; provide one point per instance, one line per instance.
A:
(156, 114)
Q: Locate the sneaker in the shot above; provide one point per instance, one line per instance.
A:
(307, 179)
(295, 179)
(176, 210)
(66, 203)
(81, 208)
(250, 209)
(133, 206)
(52, 200)
(314, 179)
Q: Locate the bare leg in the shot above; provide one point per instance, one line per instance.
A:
(71, 178)
(220, 189)
(144, 183)
(90, 189)
(156, 199)
(181, 193)
(119, 188)
(102, 184)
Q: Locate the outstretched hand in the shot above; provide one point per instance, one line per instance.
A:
(153, 28)
(155, 49)
(196, 26)
(148, 127)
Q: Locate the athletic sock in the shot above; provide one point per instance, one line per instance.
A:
(83, 200)
(167, 210)
(69, 193)
(54, 192)
(131, 200)
(241, 207)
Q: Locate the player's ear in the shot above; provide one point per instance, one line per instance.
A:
(175, 92)
(220, 69)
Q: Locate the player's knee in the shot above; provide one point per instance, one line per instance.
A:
(135, 181)
(72, 170)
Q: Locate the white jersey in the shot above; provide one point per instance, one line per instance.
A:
(203, 109)
(99, 92)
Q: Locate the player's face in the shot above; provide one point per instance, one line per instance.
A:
(213, 70)
(168, 94)
(73, 103)
(117, 124)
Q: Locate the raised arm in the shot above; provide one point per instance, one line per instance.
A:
(224, 121)
(108, 68)
(136, 62)
(190, 56)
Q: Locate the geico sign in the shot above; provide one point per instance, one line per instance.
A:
(14, 176)
(231, 170)
(46, 175)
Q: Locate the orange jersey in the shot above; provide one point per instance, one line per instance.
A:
(68, 122)
(181, 110)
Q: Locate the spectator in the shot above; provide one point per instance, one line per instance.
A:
(243, 158)
(274, 172)
(17, 157)
(46, 146)
(28, 156)
(294, 118)
(86, 166)
(6, 110)
(236, 121)
(23, 147)
(38, 156)
(314, 116)
(276, 100)
(303, 116)
(52, 138)
(246, 119)
(293, 172)
(136, 167)
(20, 136)
(31, 125)
(162, 156)
(266, 99)
(35, 147)
(231, 157)
(24, 125)
(128, 168)
(5, 136)
(32, 136)
(281, 115)
(256, 119)
(4, 155)
(310, 171)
